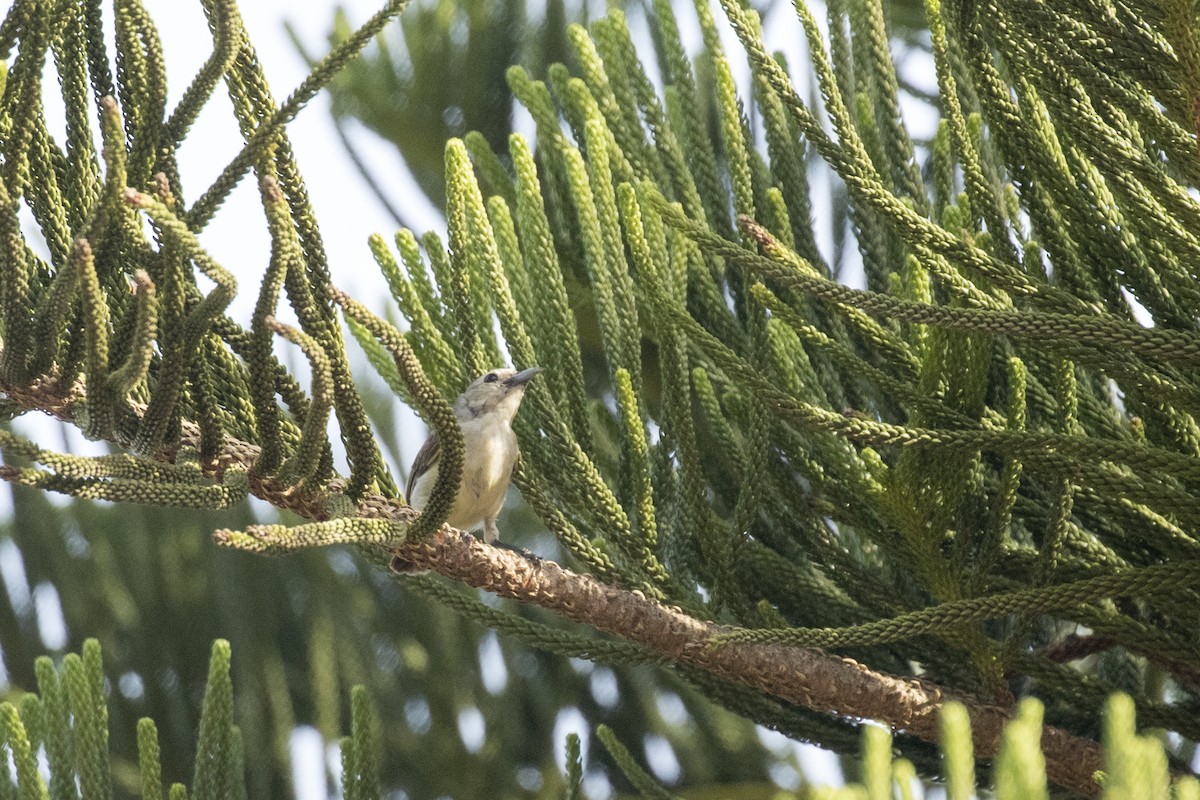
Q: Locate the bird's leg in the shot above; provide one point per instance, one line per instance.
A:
(491, 535)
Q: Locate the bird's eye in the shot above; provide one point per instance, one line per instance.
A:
(491, 377)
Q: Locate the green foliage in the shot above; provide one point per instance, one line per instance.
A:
(1135, 766)
(973, 431)
(79, 722)
(940, 475)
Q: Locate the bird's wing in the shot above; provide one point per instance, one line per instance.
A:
(427, 459)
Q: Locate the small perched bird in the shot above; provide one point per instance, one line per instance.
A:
(485, 412)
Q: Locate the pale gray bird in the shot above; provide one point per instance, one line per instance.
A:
(485, 411)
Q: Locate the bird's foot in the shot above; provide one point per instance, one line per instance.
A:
(521, 551)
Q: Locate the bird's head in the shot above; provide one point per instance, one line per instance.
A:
(497, 391)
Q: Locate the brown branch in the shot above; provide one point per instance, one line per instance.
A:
(804, 676)
(1075, 646)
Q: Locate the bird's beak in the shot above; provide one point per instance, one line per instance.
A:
(522, 377)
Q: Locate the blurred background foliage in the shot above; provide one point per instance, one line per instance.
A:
(67, 722)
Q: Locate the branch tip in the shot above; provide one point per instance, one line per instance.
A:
(756, 231)
(337, 295)
(143, 283)
(272, 191)
(162, 187)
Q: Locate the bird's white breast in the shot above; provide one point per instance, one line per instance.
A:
(490, 452)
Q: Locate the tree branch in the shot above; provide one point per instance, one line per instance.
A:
(804, 676)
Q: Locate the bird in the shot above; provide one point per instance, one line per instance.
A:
(485, 411)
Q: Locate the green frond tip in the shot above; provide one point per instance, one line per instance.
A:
(149, 759)
(433, 407)
(281, 539)
(286, 259)
(732, 135)
(178, 792)
(416, 300)
(112, 130)
(57, 738)
(597, 250)
(214, 750)
(84, 678)
(1021, 767)
(957, 752)
(643, 544)
(15, 292)
(493, 172)
(1119, 740)
(29, 782)
(904, 775)
(95, 319)
(574, 790)
(57, 303)
(33, 718)
(124, 378)
(1134, 766)
(464, 208)
(876, 764)
(196, 325)
(1187, 788)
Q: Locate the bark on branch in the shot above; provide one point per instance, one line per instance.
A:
(807, 677)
